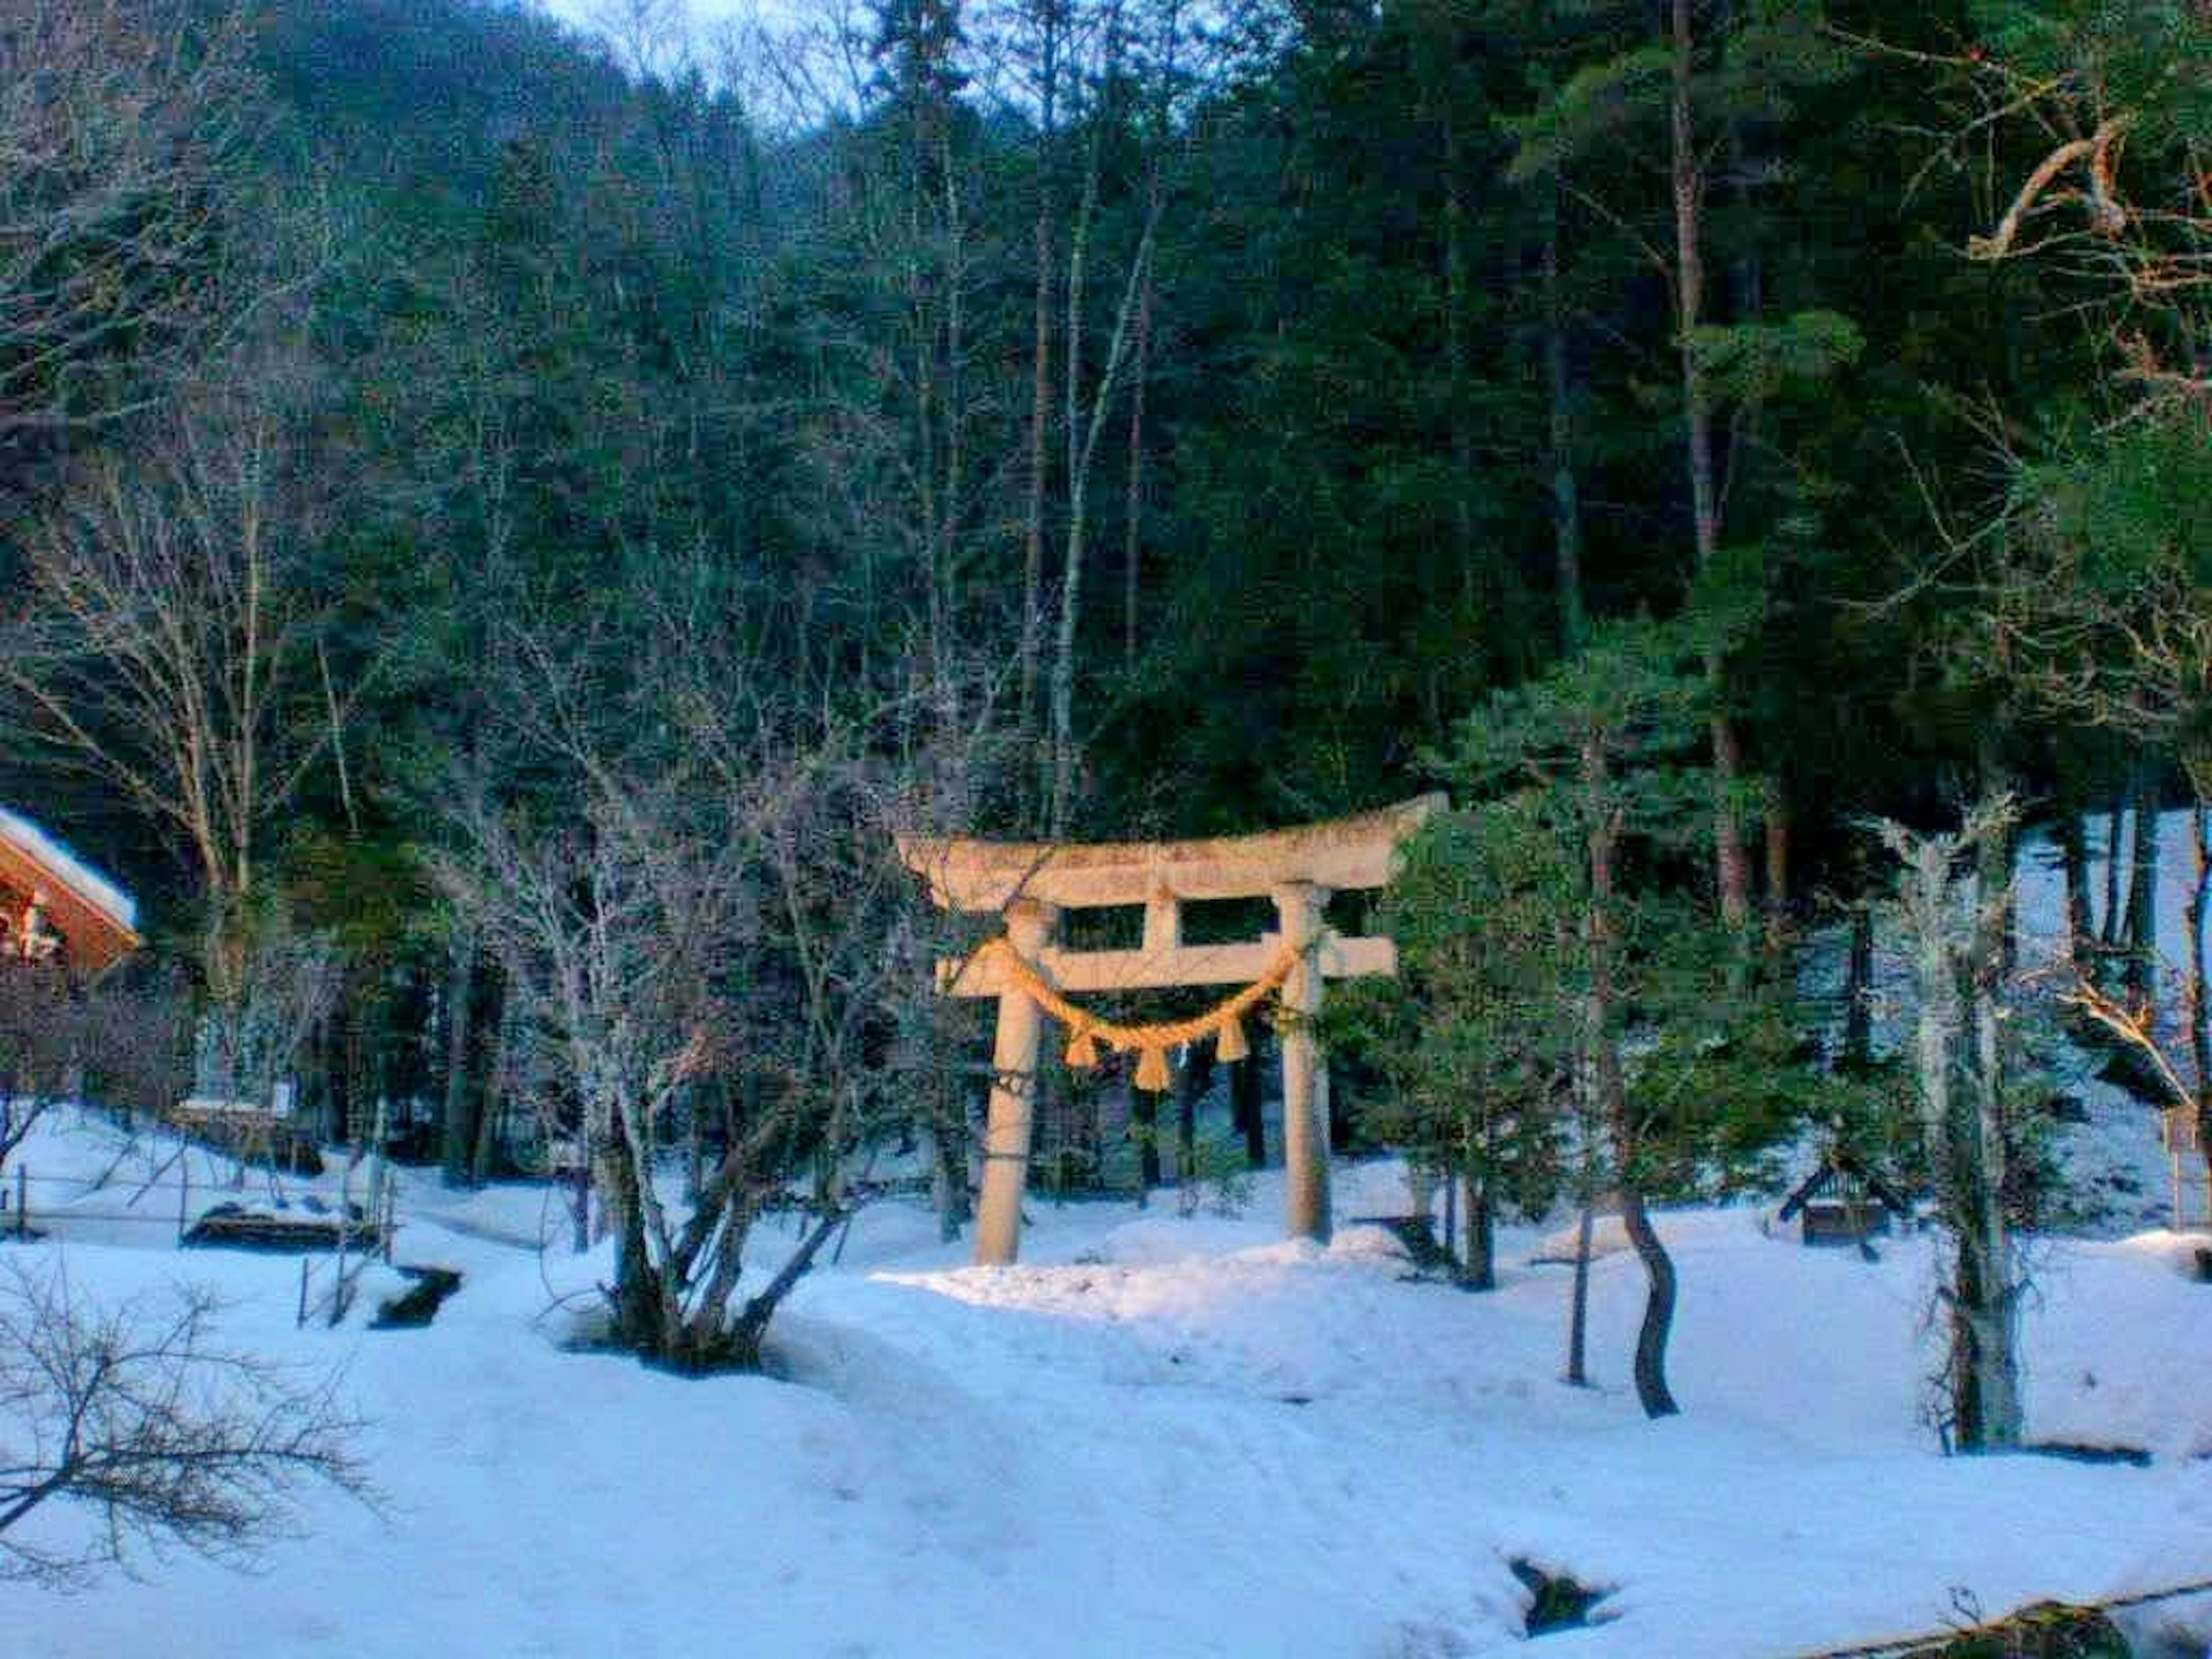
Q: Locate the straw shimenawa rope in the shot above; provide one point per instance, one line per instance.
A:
(1224, 1021)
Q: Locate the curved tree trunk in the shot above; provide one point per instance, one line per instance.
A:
(1609, 1084)
(1651, 1390)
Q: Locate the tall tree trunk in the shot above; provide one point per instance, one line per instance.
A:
(1990, 1406)
(1133, 506)
(1457, 286)
(1082, 435)
(1040, 434)
(1558, 395)
(2200, 1015)
(1958, 959)
(1731, 864)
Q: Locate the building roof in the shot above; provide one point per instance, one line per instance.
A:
(97, 917)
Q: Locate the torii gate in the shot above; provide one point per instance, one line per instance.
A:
(1031, 883)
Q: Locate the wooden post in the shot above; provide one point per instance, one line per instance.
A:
(1010, 1119)
(1305, 1079)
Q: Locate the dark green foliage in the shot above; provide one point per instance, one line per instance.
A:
(1475, 1038)
(607, 356)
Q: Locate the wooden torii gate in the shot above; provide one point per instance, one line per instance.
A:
(1030, 884)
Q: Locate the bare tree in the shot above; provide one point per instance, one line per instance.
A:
(721, 928)
(288, 981)
(122, 129)
(134, 1413)
(169, 632)
(1954, 929)
(117, 1040)
(649, 38)
(1083, 414)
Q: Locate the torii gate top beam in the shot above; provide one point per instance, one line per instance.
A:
(966, 874)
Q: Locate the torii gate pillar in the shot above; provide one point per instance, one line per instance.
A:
(1298, 908)
(1011, 1121)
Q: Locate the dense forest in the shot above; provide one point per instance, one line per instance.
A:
(501, 526)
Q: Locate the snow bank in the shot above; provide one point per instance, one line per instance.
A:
(1172, 1437)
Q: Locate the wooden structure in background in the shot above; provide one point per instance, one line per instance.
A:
(1841, 1203)
(51, 907)
(1030, 884)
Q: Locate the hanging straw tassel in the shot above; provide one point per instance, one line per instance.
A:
(1083, 1048)
(1228, 1043)
(1152, 1070)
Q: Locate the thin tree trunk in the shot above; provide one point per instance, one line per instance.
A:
(1061, 794)
(2074, 863)
(1858, 987)
(945, 692)
(2200, 1015)
(1082, 449)
(1995, 853)
(1133, 523)
(2115, 832)
(1650, 1366)
(2142, 891)
(949, 1178)
(1481, 1273)
(1778, 870)
(1248, 1092)
(1567, 503)
(485, 1154)
(1959, 971)
(1032, 635)
(1988, 1268)
(1579, 1307)
(1145, 1111)
(1191, 1080)
(457, 1139)
(1610, 1084)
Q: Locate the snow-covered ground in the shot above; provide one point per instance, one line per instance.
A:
(1168, 1435)
(1164, 1436)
